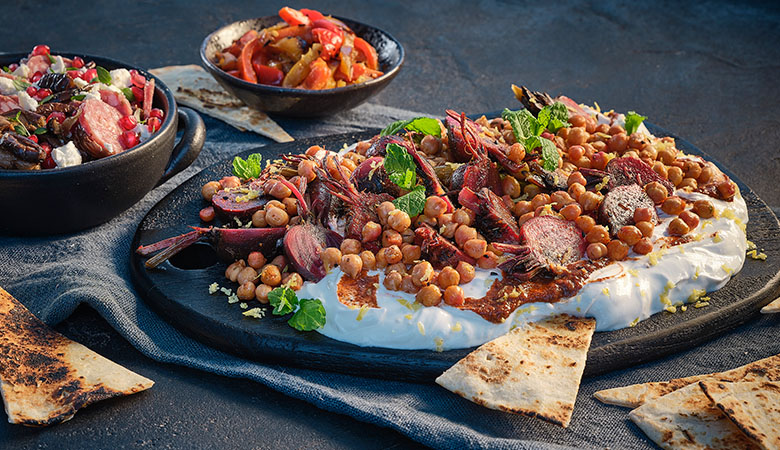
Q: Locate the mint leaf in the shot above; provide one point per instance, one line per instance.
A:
(103, 75)
(310, 316)
(20, 84)
(40, 130)
(128, 94)
(412, 203)
(523, 124)
(400, 166)
(559, 117)
(21, 130)
(424, 125)
(549, 155)
(51, 58)
(283, 299)
(394, 127)
(249, 168)
(542, 119)
(46, 99)
(79, 97)
(633, 120)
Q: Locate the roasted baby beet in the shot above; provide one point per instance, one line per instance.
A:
(617, 208)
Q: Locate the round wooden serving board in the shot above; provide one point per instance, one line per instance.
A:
(180, 295)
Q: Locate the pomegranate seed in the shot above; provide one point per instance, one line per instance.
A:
(128, 122)
(46, 147)
(48, 163)
(77, 62)
(138, 93)
(31, 91)
(41, 50)
(13, 67)
(157, 112)
(37, 76)
(33, 138)
(56, 115)
(43, 93)
(89, 75)
(128, 139)
(153, 124)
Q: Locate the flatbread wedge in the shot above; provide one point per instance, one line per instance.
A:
(192, 86)
(753, 407)
(772, 308)
(45, 377)
(534, 369)
(767, 369)
(687, 419)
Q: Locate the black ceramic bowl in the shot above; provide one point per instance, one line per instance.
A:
(74, 198)
(301, 102)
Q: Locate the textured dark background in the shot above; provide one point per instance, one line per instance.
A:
(707, 71)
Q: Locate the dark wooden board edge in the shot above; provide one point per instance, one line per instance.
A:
(320, 352)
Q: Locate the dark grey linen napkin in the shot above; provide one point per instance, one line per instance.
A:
(52, 276)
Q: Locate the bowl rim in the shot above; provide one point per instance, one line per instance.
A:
(389, 74)
(108, 160)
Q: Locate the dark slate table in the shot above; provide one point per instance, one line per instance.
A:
(707, 71)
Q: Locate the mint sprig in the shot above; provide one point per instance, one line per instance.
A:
(528, 130)
(283, 299)
(413, 202)
(424, 125)
(633, 120)
(248, 168)
(309, 313)
(104, 76)
(400, 166)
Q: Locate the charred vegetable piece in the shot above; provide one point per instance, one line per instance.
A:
(56, 82)
(438, 250)
(533, 101)
(494, 220)
(624, 171)
(371, 176)
(240, 202)
(379, 146)
(617, 208)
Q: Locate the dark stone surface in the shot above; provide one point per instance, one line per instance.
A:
(707, 71)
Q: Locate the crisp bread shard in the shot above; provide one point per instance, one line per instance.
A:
(772, 308)
(754, 407)
(767, 369)
(194, 87)
(687, 419)
(534, 369)
(45, 377)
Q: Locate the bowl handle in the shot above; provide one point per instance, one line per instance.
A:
(188, 148)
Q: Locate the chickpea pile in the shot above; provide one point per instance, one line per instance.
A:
(256, 277)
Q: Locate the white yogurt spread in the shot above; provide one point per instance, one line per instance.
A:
(617, 296)
(66, 155)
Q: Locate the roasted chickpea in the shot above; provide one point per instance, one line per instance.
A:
(398, 267)
(209, 189)
(678, 227)
(429, 295)
(629, 234)
(597, 234)
(232, 271)
(643, 246)
(362, 147)
(644, 215)
(466, 272)
(525, 218)
(256, 260)
(576, 190)
(637, 141)
(488, 261)
(511, 186)
(408, 286)
(371, 231)
(261, 293)
(350, 247)
(448, 277)
(475, 248)
(690, 219)
(673, 205)
(369, 260)
(276, 204)
(352, 265)
(293, 280)
(617, 250)
(704, 209)
(578, 120)
(650, 153)
(688, 184)
(660, 169)
(577, 136)
(276, 217)
(306, 170)
(280, 262)
(435, 206)
(392, 281)
(692, 169)
(398, 220)
(411, 253)
(207, 214)
(453, 296)
(430, 145)
(599, 160)
(313, 150)
(464, 233)
(589, 201)
(576, 152)
(602, 128)
(596, 250)
(393, 254)
(585, 223)
(422, 273)
(408, 236)
(646, 228)
(247, 274)
(522, 207)
(675, 175)
(657, 192)
(230, 182)
(531, 190)
(516, 153)
(571, 211)
(616, 129)
(727, 189)
(540, 200)
(280, 191)
(330, 257)
(271, 275)
(383, 210)
(576, 177)
(462, 217)
(706, 175)
(560, 199)
(381, 259)
(391, 237)
(618, 143)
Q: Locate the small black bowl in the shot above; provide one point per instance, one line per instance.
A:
(301, 102)
(56, 201)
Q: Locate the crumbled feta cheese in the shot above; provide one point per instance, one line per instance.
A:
(257, 313)
(143, 132)
(81, 84)
(109, 148)
(233, 298)
(7, 86)
(21, 71)
(112, 88)
(213, 288)
(66, 155)
(120, 78)
(26, 102)
(58, 66)
(243, 305)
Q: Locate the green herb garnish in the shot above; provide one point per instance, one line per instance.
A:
(46, 99)
(424, 125)
(21, 130)
(310, 313)
(79, 97)
(528, 130)
(6, 69)
(103, 75)
(633, 120)
(128, 94)
(51, 58)
(413, 202)
(20, 84)
(283, 299)
(400, 166)
(248, 168)
(40, 130)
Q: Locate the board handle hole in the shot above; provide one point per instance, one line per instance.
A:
(197, 256)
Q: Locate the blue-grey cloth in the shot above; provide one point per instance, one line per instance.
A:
(54, 275)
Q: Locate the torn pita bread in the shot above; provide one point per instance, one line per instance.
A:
(45, 377)
(534, 369)
(687, 419)
(192, 86)
(772, 308)
(753, 407)
(767, 369)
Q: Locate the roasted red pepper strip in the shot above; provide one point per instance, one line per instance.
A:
(331, 42)
(328, 25)
(318, 75)
(268, 75)
(247, 73)
(368, 52)
(312, 14)
(293, 16)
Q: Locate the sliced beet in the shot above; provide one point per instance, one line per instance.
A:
(549, 243)
(371, 176)
(303, 245)
(494, 220)
(237, 243)
(617, 208)
(240, 202)
(379, 146)
(437, 250)
(629, 170)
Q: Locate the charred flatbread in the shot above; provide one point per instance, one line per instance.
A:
(534, 369)
(767, 369)
(192, 86)
(772, 308)
(753, 407)
(45, 377)
(687, 419)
